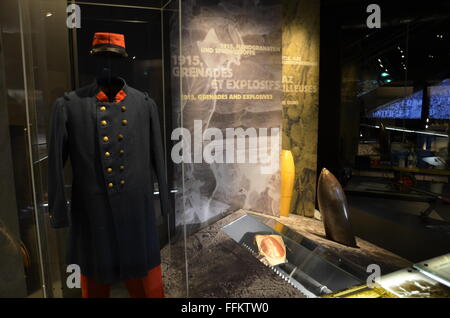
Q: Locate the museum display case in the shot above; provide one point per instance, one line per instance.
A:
(45, 52)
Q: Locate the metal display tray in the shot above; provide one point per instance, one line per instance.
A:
(311, 268)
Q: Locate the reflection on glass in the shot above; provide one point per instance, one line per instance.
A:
(409, 283)
(406, 108)
(440, 100)
(437, 268)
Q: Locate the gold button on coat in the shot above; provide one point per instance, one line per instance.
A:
(104, 122)
(110, 170)
(122, 182)
(122, 152)
(124, 108)
(120, 136)
(107, 154)
(124, 122)
(103, 108)
(106, 139)
(110, 185)
(122, 168)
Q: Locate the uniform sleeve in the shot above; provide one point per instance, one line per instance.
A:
(157, 153)
(57, 157)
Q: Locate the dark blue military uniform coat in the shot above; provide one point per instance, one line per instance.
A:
(113, 148)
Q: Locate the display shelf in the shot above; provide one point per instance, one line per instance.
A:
(438, 172)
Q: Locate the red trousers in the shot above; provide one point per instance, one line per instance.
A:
(150, 286)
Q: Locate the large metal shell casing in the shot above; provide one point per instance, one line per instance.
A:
(334, 209)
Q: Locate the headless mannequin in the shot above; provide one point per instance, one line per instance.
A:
(108, 67)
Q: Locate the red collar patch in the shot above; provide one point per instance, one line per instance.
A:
(120, 96)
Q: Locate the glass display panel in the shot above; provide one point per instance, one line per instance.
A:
(310, 268)
(437, 268)
(410, 283)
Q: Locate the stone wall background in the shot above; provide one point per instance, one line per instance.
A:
(301, 41)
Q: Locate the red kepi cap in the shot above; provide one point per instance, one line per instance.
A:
(105, 43)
